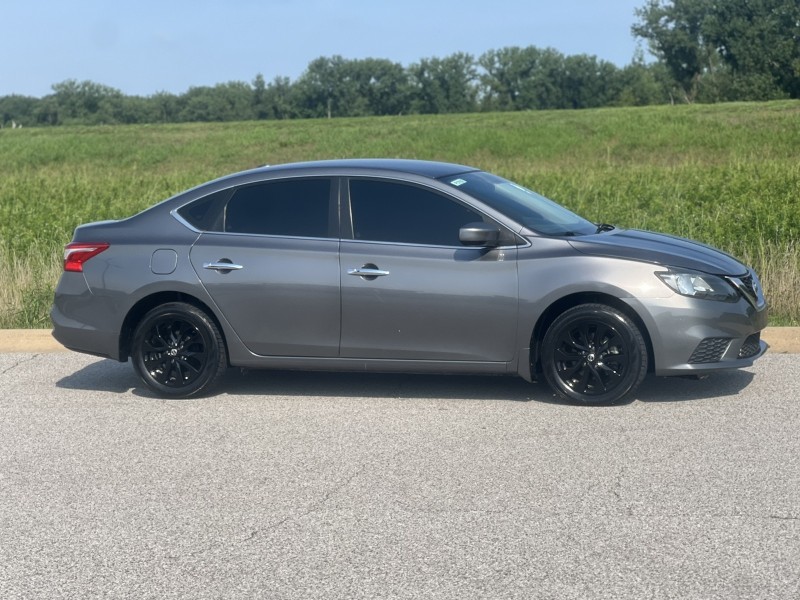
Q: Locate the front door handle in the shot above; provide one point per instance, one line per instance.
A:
(368, 272)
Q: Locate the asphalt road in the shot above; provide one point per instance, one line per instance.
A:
(298, 485)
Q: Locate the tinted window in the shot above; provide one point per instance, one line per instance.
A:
(392, 212)
(205, 214)
(521, 204)
(299, 207)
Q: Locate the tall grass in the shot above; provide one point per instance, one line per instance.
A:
(727, 175)
(778, 266)
(27, 282)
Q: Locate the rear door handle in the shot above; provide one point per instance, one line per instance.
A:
(222, 266)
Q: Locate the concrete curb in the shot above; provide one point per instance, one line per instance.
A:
(782, 340)
(29, 340)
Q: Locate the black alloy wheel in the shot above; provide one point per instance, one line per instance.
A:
(593, 354)
(178, 351)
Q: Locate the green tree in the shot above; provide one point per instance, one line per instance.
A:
(320, 89)
(643, 84)
(141, 109)
(726, 49)
(384, 84)
(760, 41)
(18, 109)
(87, 102)
(164, 107)
(280, 99)
(534, 78)
(230, 101)
(545, 88)
(444, 85)
(674, 32)
(47, 111)
(260, 110)
(337, 87)
(507, 77)
(587, 82)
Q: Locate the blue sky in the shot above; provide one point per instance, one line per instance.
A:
(148, 46)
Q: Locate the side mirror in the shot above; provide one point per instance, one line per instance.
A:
(479, 234)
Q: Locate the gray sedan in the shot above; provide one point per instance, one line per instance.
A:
(399, 265)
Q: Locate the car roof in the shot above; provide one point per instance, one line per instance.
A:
(424, 168)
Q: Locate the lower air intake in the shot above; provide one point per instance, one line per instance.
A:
(751, 346)
(710, 350)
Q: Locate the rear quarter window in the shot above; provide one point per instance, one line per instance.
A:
(206, 213)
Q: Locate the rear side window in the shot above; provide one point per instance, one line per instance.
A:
(386, 211)
(298, 207)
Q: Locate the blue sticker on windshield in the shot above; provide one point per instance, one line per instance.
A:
(458, 182)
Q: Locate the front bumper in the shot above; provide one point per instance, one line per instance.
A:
(691, 336)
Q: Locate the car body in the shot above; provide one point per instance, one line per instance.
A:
(399, 265)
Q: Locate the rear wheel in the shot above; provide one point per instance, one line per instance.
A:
(178, 351)
(593, 354)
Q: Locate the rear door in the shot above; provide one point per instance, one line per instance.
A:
(411, 290)
(273, 269)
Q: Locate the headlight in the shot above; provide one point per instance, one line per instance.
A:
(700, 285)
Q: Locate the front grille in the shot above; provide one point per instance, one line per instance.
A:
(747, 281)
(751, 346)
(710, 350)
(750, 288)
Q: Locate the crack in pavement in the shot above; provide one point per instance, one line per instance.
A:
(21, 361)
(314, 507)
(311, 509)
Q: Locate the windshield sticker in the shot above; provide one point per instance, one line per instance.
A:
(458, 182)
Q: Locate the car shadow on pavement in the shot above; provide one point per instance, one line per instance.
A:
(102, 376)
(678, 389)
(464, 387)
(382, 385)
(114, 377)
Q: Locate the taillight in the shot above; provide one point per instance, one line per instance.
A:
(75, 254)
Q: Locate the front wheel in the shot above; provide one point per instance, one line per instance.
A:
(178, 351)
(593, 354)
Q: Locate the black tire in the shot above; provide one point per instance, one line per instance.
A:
(593, 354)
(178, 351)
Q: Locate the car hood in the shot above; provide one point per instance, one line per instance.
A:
(660, 249)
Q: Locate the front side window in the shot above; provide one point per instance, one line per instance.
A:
(298, 207)
(385, 211)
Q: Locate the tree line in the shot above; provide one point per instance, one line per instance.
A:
(507, 79)
(705, 51)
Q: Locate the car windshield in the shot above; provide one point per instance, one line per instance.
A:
(528, 208)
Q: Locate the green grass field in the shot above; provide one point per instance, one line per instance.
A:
(726, 174)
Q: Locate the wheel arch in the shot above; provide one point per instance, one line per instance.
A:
(563, 304)
(146, 304)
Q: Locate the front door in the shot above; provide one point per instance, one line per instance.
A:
(411, 291)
